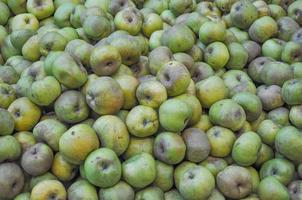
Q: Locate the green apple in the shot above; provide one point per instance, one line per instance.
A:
(221, 141)
(105, 60)
(290, 93)
(155, 39)
(11, 174)
(82, 189)
(276, 73)
(197, 144)
(158, 57)
(243, 14)
(266, 153)
(212, 32)
(287, 27)
(47, 189)
(169, 148)
(269, 187)
(17, 6)
(37, 159)
(7, 122)
(270, 96)
(96, 27)
(5, 13)
(8, 75)
(103, 168)
(252, 48)
(68, 71)
(214, 164)
(295, 116)
(294, 189)
(246, 148)
(294, 11)
(288, 142)
(291, 52)
(62, 14)
(10, 148)
(175, 77)
(255, 67)
(71, 107)
(30, 49)
(75, 17)
(49, 131)
(262, 29)
(279, 115)
(151, 93)
(25, 113)
(250, 103)
(113, 133)
(121, 190)
(180, 170)
(35, 180)
(297, 36)
(173, 195)
(164, 176)
(268, 130)
(227, 113)
(62, 169)
(129, 19)
(273, 48)
(128, 84)
(178, 38)
(201, 71)
(279, 168)
(139, 145)
(174, 115)
(238, 56)
(297, 69)
(52, 41)
(152, 22)
(24, 21)
(276, 11)
(139, 170)
(157, 6)
(216, 55)
(234, 182)
(41, 9)
(196, 183)
(23, 196)
(77, 142)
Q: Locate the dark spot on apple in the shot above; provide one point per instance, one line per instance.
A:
(4, 91)
(167, 77)
(238, 78)
(210, 50)
(14, 184)
(295, 190)
(130, 19)
(262, 63)
(105, 165)
(72, 133)
(216, 133)
(148, 97)
(17, 113)
(274, 171)
(34, 151)
(237, 8)
(191, 175)
(52, 196)
(27, 20)
(161, 147)
(145, 122)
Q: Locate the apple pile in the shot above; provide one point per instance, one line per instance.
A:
(150, 99)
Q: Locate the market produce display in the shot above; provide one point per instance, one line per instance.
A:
(150, 99)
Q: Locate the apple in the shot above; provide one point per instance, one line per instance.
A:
(10, 174)
(48, 189)
(7, 122)
(41, 9)
(62, 169)
(82, 189)
(270, 186)
(118, 191)
(11, 148)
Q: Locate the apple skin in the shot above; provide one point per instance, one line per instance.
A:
(104, 95)
(7, 122)
(289, 92)
(5, 13)
(289, 135)
(169, 148)
(174, 115)
(164, 176)
(279, 168)
(11, 173)
(235, 114)
(77, 142)
(150, 192)
(103, 168)
(212, 32)
(41, 11)
(82, 189)
(139, 145)
(121, 190)
(11, 148)
(25, 113)
(115, 136)
(221, 141)
(248, 143)
(62, 169)
(216, 55)
(45, 189)
(139, 170)
(196, 177)
(243, 14)
(269, 187)
(262, 29)
(17, 6)
(294, 189)
(142, 121)
(268, 130)
(230, 177)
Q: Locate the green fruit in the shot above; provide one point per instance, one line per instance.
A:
(178, 38)
(139, 170)
(164, 176)
(269, 187)
(290, 93)
(216, 55)
(212, 32)
(121, 190)
(10, 148)
(288, 142)
(268, 130)
(103, 168)
(7, 123)
(295, 116)
(174, 115)
(262, 29)
(243, 14)
(238, 56)
(150, 193)
(227, 113)
(82, 189)
(246, 148)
